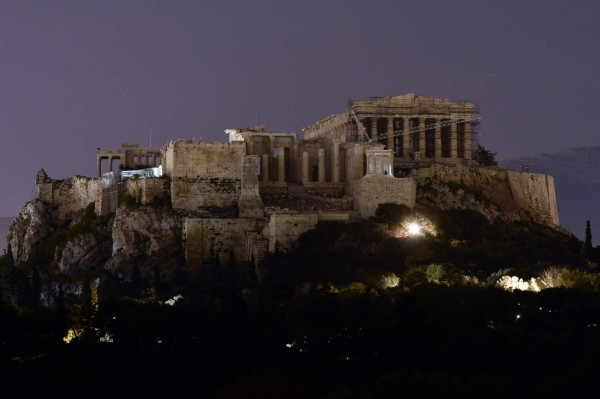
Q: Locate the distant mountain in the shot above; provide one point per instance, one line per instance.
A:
(4, 222)
(576, 174)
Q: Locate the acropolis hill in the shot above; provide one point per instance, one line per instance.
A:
(260, 190)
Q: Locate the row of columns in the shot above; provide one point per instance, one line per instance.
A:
(149, 159)
(335, 165)
(110, 163)
(407, 147)
(280, 166)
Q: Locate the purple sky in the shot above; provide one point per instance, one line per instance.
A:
(77, 75)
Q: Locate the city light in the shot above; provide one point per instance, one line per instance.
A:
(414, 229)
(415, 226)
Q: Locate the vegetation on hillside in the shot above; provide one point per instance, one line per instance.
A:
(442, 307)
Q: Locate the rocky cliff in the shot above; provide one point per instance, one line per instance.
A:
(576, 173)
(69, 238)
(86, 244)
(500, 192)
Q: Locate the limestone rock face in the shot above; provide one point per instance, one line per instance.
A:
(86, 251)
(439, 196)
(517, 195)
(29, 227)
(145, 236)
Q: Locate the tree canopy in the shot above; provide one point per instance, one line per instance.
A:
(483, 156)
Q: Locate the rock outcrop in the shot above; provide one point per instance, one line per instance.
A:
(86, 251)
(517, 195)
(576, 173)
(32, 225)
(147, 236)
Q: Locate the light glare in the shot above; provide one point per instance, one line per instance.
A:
(414, 229)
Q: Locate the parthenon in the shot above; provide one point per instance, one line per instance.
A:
(419, 128)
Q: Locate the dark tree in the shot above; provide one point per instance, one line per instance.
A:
(136, 281)
(231, 262)
(86, 305)
(22, 287)
(484, 157)
(156, 279)
(587, 249)
(61, 313)
(36, 287)
(575, 249)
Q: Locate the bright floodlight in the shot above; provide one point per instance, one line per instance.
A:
(414, 229)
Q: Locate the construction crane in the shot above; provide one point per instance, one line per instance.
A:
(359, 125)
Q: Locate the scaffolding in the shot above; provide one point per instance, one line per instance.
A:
(357, 132)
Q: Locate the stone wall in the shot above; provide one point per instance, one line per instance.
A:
(373, 190)
(250, 204)
(197, 159)
(69, 196)
(285, 228)
(217, 235)
(520, 195)
(146, 190)
(194, 194)
(204, 174)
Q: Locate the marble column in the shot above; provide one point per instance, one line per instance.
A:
(305, 177)
(438, 139)
(99, 160)
(390, 134)
(294, 162)
(374, 132)
(406, 143)
(271, 154)
(453, 140)
(110, 164)
(281, 165)
(336, 162)
(422, 137)
(321, 165)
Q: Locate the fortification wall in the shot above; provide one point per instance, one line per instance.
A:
(204, 174)
(192, 194)
(250, 204)
(219, 236)
(285, 229)
(69, 196)
(147, 190)
(373, 190)
(520, 195)
(197, 159)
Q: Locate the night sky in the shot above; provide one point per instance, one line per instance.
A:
(78, 75)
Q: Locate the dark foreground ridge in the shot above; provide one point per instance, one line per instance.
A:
(352, 312)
